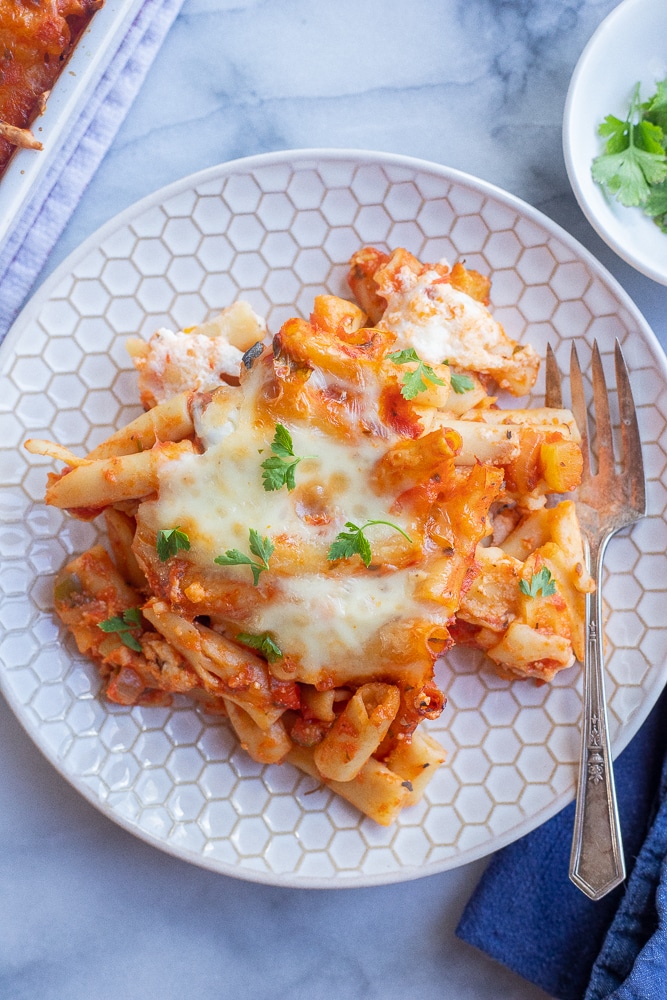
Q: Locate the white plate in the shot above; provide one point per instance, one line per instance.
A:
(73, 88)
(629, 47)
(279, 229)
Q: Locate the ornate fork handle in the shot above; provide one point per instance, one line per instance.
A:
(596, 861)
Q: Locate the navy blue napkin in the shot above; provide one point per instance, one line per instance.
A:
(527, 915)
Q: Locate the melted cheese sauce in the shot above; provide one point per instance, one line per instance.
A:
(219, 495)
(179, 361)
(443, 323)
(322, 620)
(326, 621)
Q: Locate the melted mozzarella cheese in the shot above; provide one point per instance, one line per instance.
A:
(178, 361)
(321, 619)
(442, 323)
(326, 621)
(219, 495)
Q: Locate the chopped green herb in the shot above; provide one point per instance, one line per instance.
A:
(542, 581)
(278, 471)
(634, 161)
(262, 642)
(169, 541)
(655, 109)
(282, 442)
(415, 381)
(354, 541)
(656, 205)
(261, 547)
(130, 619)
(461, 383)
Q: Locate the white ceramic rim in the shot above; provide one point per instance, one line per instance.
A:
(32, 309)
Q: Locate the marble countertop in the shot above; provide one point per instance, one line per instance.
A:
(88, 910)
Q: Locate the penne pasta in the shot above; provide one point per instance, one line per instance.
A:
(266, 746)
(168, 421)
(357, 732)
(37, 446)
(106, 481)
(416, 762)
(121, 529)
(376, 790)
(223, 667)
(543, 417)
(525, 651)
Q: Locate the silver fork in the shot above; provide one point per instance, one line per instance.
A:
(609, 499)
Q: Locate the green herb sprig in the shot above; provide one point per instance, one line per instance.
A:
(415, 381)
(541, 581)
(169, 541)
(354, 541)
(263, 548)
(460, 383)
(278, 470)
(263, 643)
(123, 626)
(633, 166)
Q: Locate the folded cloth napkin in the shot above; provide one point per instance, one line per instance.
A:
(35, 230)
(527, 914)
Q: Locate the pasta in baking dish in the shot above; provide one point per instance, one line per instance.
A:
(300, 525)
(36, 39)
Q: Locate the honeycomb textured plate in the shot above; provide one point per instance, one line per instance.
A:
(277, 230)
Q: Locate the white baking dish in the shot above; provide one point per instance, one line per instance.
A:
(95, 49)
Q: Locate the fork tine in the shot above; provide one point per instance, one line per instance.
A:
(553, 393)
(632, 450)
(579, 408)
(605, 442)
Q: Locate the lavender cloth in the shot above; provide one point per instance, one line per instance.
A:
(37, 228)
(527, 915)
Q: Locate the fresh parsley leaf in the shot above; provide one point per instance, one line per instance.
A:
(655, 109)
(169, 541)
(130, 619)
(113, 624)
(656, 205)
(263, 643)
(234, 557)
(415, 381)
(282, 442)
(354, 541)
(349, 543)
(279, 472)
(461, 383)
(629, 174)
(634, 156)
(261, 547)
(402, 357)
(541, 581)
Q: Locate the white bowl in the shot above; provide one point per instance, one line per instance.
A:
(630, 46)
